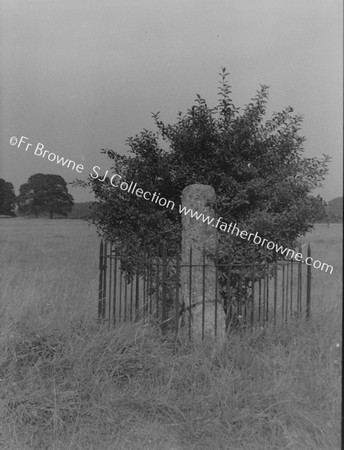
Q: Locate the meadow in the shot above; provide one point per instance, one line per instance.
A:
(67, 382)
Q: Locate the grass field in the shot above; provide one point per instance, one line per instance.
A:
(68, 383)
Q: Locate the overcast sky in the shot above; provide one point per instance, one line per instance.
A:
(81, 75)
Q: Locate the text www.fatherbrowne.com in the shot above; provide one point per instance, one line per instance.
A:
(117, 182)
(232, 228)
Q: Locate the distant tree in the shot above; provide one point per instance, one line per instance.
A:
(45, 193)
(7, 198)
(335, 210)
(81, 210)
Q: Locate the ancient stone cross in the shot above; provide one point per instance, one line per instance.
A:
(200, 238)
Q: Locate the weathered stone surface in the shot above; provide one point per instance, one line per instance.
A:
(200, 237)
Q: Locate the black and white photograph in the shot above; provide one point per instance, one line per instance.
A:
(171, 224)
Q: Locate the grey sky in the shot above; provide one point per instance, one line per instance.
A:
(80, 75)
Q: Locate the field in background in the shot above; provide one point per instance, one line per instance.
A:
(48, 267)
(67, 383)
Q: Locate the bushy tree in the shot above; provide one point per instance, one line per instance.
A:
(256, 165)
(263, 181)
(7, 198)
(45, 193)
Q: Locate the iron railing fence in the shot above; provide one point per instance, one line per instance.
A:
(255, 294)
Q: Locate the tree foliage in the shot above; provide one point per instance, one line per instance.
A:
(45, 193)
(255, 163)
(263, 181)
(7, 198)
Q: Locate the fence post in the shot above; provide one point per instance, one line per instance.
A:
(104, 277)
(137, 297)
(120, 285)
(229, 306)
(217, 313)
(275, 288)
(299, 284)
(309, 278)
(101, 297)
(164, 283)
(203, 292)
(157, 282)
(267, 267)
(190, 292)
(176, 302)
(110, 284)
(252, 281)
(114, 299)
(291, 286)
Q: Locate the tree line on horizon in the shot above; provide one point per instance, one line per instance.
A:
(255, 164)
(41, 194)
(9, 202)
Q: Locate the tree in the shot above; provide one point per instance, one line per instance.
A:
(335, 210)
(7, 198)
(262, 180)
(256, 165)
(45, 193)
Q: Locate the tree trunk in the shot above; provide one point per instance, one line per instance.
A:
(51, 212)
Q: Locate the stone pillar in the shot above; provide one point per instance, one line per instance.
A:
(200, 236)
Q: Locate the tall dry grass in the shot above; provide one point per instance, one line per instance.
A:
(68, 383)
